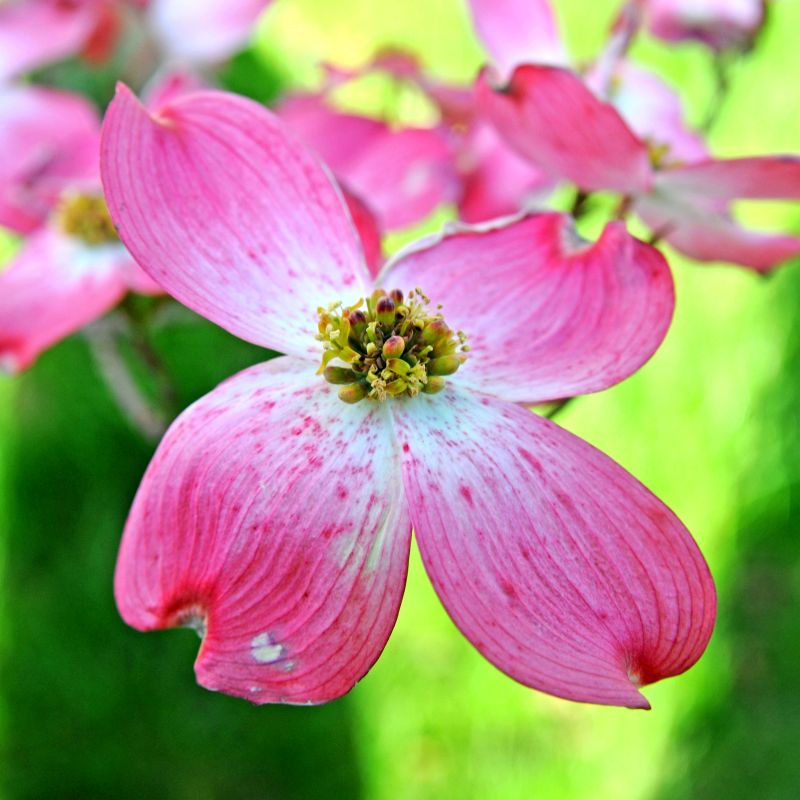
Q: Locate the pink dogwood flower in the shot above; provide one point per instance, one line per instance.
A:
(402, 174)
(276, 515)
(476, 169)
(35, 33)
(71, 267)
(552, 118)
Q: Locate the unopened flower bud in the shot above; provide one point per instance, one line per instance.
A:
(397, 296)
(339, 375)
(434, 331)
(358, 322)
(384, 310)
(393, 347)
(354, 392)
(434, 385)
(446, 365)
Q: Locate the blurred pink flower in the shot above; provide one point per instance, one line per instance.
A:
(474, 168)
(721, 24)
(35, 33)
(276, 519)
(552, 118)
(401, 174)
(71, 267)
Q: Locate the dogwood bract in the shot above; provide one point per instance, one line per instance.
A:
(276, 515)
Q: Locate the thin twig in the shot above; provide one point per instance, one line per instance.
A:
(103, 338)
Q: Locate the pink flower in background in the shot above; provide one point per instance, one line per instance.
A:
(276, 518)
(476, 169)
(721, 24)
(401, 174)
(552, 118)
(35, 33)
(71, 268)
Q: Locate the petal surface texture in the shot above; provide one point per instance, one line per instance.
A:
(758, 177)
(54, 286)
(547, 316)
(231, 215)
(204, 30)
(518, 32)
(275, 513)
(559, 566)
(551, 117)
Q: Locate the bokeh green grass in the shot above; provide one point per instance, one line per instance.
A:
(710, 424)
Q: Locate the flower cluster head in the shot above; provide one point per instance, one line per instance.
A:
(394, 347)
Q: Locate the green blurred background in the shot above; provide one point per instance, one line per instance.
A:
(89, 708)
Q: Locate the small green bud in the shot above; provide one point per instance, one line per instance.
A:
(444, 347)
(354, 392)
(373, 299)
(434, 331)
(339, 375)
(446, 365)
(434, 385)
(384, 310)
(393, 347)
(358, 323)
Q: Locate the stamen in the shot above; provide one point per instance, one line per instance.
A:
(392, 346)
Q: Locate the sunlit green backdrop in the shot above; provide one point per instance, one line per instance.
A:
(90, 709)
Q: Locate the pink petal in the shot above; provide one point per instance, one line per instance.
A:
(49, 140)
(547, 315)
(273, 515)
(34, 33)
(404, 175)
(337, 137)
(204, 30)
(497, 181)
(764, 177)
(230, 215)
(654, 111)
(369, 231)
(718, 23)
(518, 32)
(549, 116)
(54, 286)
(559, 566)
(708, 235)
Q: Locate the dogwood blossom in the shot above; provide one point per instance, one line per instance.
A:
(276, 515)
(35, 33)
(550, 116)
(71, 267)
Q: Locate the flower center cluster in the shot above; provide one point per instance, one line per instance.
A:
(392, 346)
(86, 217)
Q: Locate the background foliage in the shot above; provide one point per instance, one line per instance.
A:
(89, 708)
